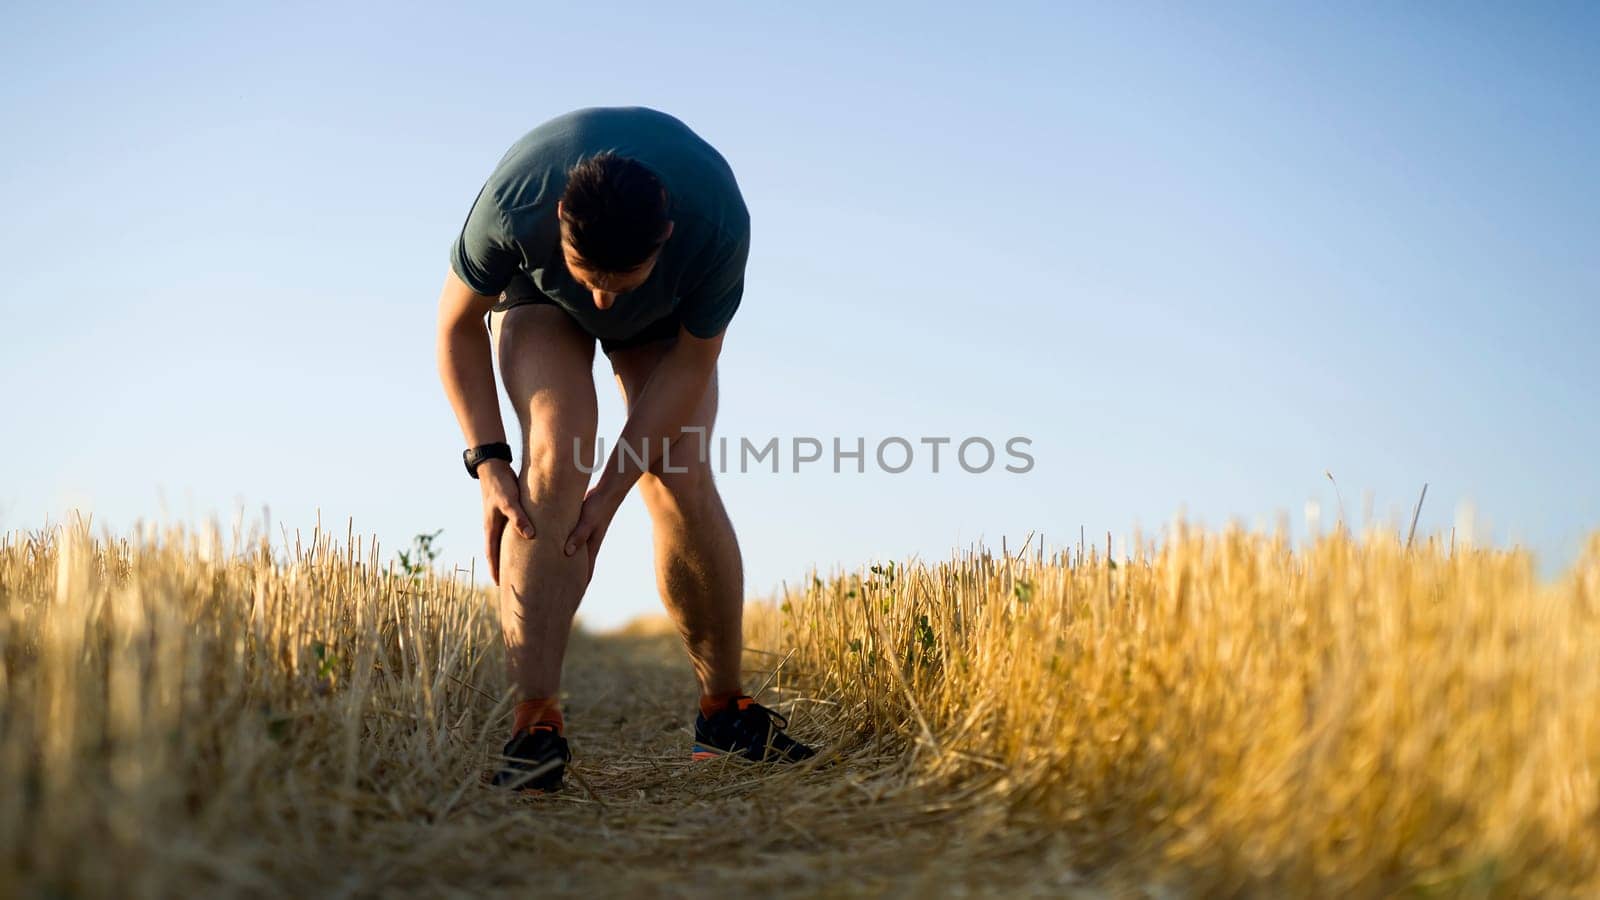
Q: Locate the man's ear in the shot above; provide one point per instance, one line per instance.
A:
(670, 225)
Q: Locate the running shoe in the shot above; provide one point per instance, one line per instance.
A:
(535, 760)
(746, 728)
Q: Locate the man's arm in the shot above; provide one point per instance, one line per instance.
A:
(670, 396)
(665, 405)
(466, 367)
(481, 262)
(466, 363)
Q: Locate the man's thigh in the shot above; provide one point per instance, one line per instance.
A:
(547, 366)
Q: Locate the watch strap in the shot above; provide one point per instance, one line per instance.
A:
(476, 456)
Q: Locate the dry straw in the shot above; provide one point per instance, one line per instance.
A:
(1353, 719)
(1223, 715)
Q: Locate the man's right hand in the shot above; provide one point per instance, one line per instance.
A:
(502, 504)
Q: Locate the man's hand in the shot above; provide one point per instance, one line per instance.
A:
(599, 508)
(502, 504)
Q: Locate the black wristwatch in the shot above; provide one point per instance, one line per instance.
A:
(476, 455)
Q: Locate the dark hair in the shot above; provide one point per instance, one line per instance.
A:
(613, 212)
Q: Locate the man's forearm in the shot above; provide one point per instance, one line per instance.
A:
(665, 405)
(466, 366)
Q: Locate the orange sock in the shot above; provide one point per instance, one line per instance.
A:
(711, 704)
(538, 711)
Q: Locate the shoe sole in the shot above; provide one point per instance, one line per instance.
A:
(523, 786)
(526, 790)
(703, 752)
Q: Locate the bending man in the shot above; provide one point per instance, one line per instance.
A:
(623, 226)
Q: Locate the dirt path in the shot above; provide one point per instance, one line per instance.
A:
(640, 819)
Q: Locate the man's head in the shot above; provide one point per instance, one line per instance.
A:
(613, 223)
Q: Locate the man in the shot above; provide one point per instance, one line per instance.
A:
(620, 225)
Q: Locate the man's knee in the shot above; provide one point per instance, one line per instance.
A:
(553, 479)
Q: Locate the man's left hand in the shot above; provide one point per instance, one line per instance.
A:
(599, 506)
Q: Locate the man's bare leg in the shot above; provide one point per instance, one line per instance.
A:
(547, 365)
(698, 568)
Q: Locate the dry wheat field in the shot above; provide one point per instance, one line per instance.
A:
(1220, 714)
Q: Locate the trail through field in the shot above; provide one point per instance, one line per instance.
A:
(1229, 717)
(639, 818)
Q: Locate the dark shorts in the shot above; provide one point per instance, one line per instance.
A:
(521, 292)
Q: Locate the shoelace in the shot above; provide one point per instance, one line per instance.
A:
(777, 719)
(537, 730)
(775, 716)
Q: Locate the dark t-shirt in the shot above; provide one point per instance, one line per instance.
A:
(513, 227)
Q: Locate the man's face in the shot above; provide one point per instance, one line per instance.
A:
(607, 286)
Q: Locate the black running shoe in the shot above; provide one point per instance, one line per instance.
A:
(748, 729)
(535, 760)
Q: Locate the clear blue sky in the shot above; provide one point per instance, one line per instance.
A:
(1198, 257)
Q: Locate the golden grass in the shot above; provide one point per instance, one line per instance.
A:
(186, 715)
(180, 713)
(1353, 719)
(1224, 716)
